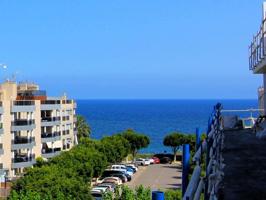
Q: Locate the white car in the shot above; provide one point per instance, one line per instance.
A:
(143, 162)
(114, 180)
(151, 160)
(121, 168)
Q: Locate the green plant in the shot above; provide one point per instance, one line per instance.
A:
(173, 194)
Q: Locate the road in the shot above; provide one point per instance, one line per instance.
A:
(159, 176)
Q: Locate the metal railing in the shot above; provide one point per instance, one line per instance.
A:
(248, 121)
(211, 147)
(21, 158)
(49, 135)
(23, 103)
(257, 47)
(51, 102)
(23, 122)
(50, 119)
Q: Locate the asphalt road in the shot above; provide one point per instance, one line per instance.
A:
(158, 176)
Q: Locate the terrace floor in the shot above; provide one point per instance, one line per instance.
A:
(245, 170)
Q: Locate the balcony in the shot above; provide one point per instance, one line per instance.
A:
(49, 153)
(1, 108)
(51, 105)
(66, 132)
(23, 143)
(50, 121)
(50, 137)
(21, 161)
(23, 106)
(66, 146)
(67, 101)
(1, 149)
(65, 118)
(1, 129)
(23, 124)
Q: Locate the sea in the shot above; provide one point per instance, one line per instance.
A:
(155, 118)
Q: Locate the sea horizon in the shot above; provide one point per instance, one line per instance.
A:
(153, 117)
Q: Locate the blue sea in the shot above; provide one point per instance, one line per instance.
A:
(155, 118)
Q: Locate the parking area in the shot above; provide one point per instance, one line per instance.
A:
(158, 176)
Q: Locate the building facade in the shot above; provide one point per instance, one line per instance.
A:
(32, 125)
(257, 58)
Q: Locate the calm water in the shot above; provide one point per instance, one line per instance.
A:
(155, 118)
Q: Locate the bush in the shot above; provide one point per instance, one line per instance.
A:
(173, 195)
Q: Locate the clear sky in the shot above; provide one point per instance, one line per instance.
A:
(132, 49)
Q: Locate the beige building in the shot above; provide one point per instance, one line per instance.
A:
(32, 125)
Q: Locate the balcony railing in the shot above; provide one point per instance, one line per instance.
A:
(23, 140)
(23, 122)
(49, 135)
(51, 150)
(50, 119)
(67, 101)
(23, 103)
(23, 158)
(257, 50)
(50, 102)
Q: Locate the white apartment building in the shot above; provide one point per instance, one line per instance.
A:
(32, 125)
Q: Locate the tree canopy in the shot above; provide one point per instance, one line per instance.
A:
(136, 141)
(83, 127)
(175, 140)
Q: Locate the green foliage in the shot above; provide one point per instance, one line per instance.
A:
(68, 175)
(173, 194)
(83, 127)
(136, 140)
(40, 162)
(143, 193)
(108, 196)
(125, 193)
(175, 140)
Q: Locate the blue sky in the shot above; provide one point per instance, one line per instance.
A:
(132, 49)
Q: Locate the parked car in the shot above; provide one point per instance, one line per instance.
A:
(122, 168)
(165, 160)
(111, 186)
(97, 195)
(102, 189)
(133, 166)
(98, 192)
(156, 160)
(128, 177)
(143, 162)
(114, 180)
(121, 176)
(150, 160)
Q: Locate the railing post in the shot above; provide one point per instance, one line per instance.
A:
(157, 195)
(198, 135)
(185, 167)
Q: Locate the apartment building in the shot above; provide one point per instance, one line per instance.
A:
(32, 125)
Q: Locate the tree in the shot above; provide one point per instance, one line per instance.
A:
(136, 141)
(175, 140)
(83, 127)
